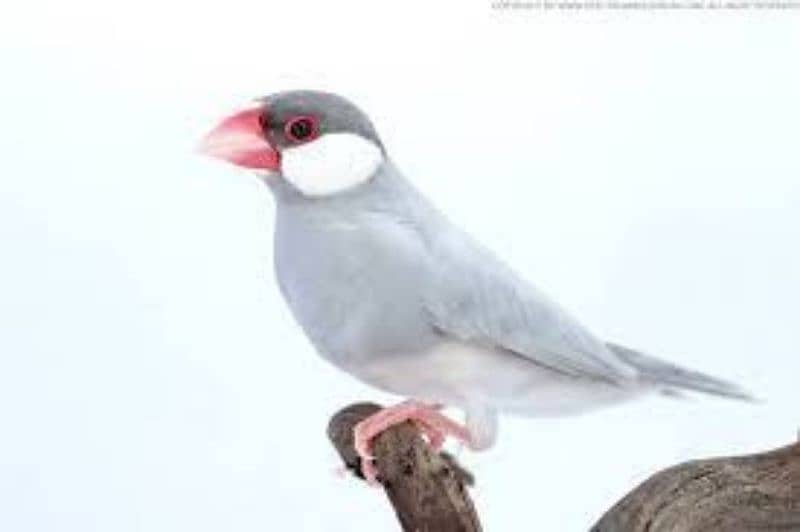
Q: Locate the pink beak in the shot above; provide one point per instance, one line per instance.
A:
(239, 139)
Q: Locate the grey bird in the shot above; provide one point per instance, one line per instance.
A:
(390, 291)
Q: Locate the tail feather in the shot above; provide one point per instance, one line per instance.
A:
(674, 378)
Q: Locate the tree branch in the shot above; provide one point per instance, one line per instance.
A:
(427, 489)
(428, 493)
(756, 492)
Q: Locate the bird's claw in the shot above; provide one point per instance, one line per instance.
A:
(434, 426)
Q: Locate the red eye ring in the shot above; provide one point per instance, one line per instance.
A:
(302, 128)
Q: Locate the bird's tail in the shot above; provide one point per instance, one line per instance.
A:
(674, 378)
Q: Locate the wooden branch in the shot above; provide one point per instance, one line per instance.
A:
(757, 492)
(426, 489)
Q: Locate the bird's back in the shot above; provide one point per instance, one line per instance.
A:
(380, 271)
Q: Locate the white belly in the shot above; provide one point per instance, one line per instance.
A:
(467, 376)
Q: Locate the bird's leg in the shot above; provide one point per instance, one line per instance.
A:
(435, 425)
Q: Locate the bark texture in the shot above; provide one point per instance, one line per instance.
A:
(759, 492)
(745, 493)
(427, 489)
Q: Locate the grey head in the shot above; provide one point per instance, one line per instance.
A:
(310, 143)
(331, 112)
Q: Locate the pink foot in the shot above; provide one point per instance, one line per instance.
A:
(430, 421)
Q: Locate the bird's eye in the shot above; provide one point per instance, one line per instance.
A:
(301, 129)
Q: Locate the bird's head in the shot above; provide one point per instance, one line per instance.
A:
(319, 142)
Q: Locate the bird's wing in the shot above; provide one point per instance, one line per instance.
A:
(477, 298)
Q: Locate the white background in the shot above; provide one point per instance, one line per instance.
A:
(642, 167)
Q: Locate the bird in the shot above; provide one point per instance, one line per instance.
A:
(390, 291)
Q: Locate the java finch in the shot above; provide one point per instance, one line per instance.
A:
(388, 290)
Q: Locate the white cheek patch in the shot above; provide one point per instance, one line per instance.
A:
(332, 163)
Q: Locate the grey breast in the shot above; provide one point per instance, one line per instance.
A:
(354, 269)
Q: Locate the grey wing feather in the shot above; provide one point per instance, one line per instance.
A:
(674, 378)
(477, 298)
